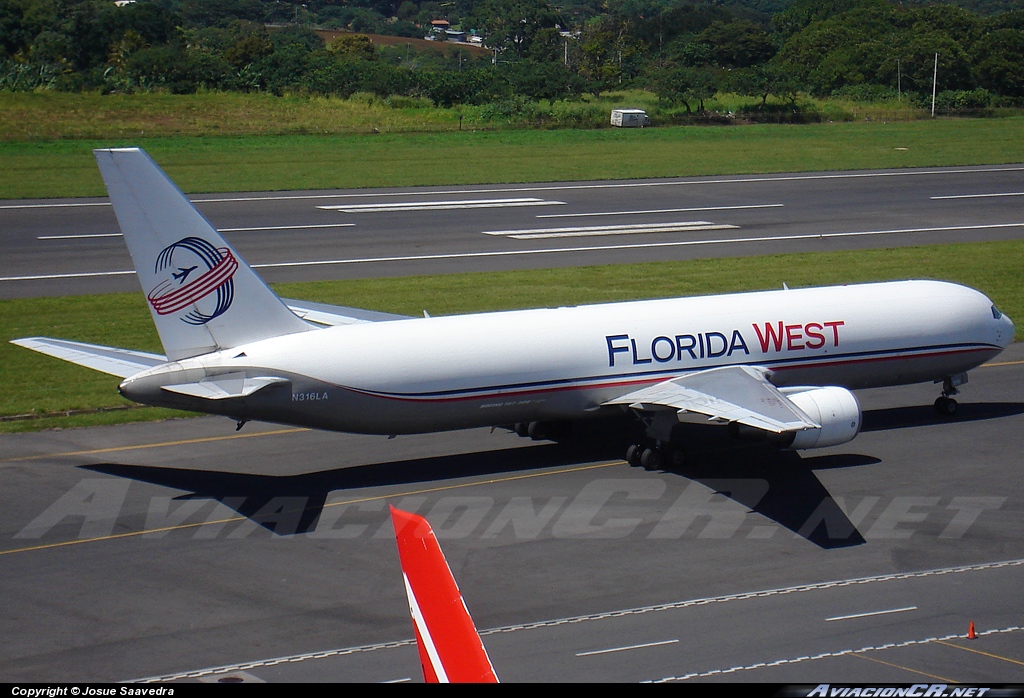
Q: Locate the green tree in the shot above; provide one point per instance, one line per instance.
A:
(511, 26)
(736, 44)
(608, 54)
(765, 80)
(251, 45)
(352, 47)
(686, 86)
(998, 62)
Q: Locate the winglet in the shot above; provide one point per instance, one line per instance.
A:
(450, 647)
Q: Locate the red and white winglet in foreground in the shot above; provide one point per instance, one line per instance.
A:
(450, 647)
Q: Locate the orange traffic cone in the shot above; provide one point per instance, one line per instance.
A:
(971, 635)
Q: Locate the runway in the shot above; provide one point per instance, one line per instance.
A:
(183, 550)
(62, 247)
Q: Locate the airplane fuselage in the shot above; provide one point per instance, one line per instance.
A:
(435, 374)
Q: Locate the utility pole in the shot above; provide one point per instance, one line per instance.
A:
(935, 80)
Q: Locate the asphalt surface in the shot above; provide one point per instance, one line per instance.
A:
(183, 550)
(63, 247)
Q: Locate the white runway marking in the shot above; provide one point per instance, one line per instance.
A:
(657, 608)
(78, 237)
(627, 648)
(219, 230)
(656, 210)
(67, 205)
(832, 654)
(871, 613)
(978, 196)
(70, 275)
(285, 227)
(552, 250)
(440, 205)
(540, 233)
(556, 187)
(619, 185)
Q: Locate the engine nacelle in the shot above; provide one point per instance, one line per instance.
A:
(835, 409)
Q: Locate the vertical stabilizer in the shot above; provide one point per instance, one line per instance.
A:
(450, 647)
(202, 295)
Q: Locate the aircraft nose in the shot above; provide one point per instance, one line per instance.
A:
(1007, 331)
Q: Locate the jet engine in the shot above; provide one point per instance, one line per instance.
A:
(835, 409)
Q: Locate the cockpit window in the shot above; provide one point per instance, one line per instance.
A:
(995, 313)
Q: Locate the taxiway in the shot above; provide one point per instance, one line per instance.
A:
(183, 550)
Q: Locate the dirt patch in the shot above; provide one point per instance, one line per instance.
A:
(420, 44)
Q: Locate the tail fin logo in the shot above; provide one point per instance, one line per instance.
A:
(198, 275)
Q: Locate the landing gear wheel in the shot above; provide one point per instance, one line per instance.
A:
(652, 459)
(677, 458)
(946, 406)
(633, 454)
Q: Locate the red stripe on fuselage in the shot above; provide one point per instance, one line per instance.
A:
(820, 362)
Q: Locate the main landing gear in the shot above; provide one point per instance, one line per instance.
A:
(945, 405)
(653, 457)
(655, 452)
(540, 431)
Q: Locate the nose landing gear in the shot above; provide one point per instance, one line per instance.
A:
(945, 405)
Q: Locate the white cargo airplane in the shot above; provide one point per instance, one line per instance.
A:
(777, 365)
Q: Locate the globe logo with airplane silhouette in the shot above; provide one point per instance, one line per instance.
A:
(198, 276)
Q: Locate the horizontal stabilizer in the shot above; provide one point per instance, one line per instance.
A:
(116, 362)
(332, 315)
(740, 394)
(230, 385)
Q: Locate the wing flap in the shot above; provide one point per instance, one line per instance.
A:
(116, 362)
(231, 385)
(333, 315)
(740, 394)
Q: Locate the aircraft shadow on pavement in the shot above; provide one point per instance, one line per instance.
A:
(292, 504)
(261, 498)
(794, 498)
(791, 493)
(924, 415)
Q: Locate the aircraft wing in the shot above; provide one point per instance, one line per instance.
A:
(331, 315)
(740, 394)
(116, 362)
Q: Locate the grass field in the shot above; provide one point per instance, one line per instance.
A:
(34, 384)
(222, 142)
(58, 168)
(27, 116)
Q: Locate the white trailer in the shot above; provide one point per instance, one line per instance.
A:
(630, 118)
